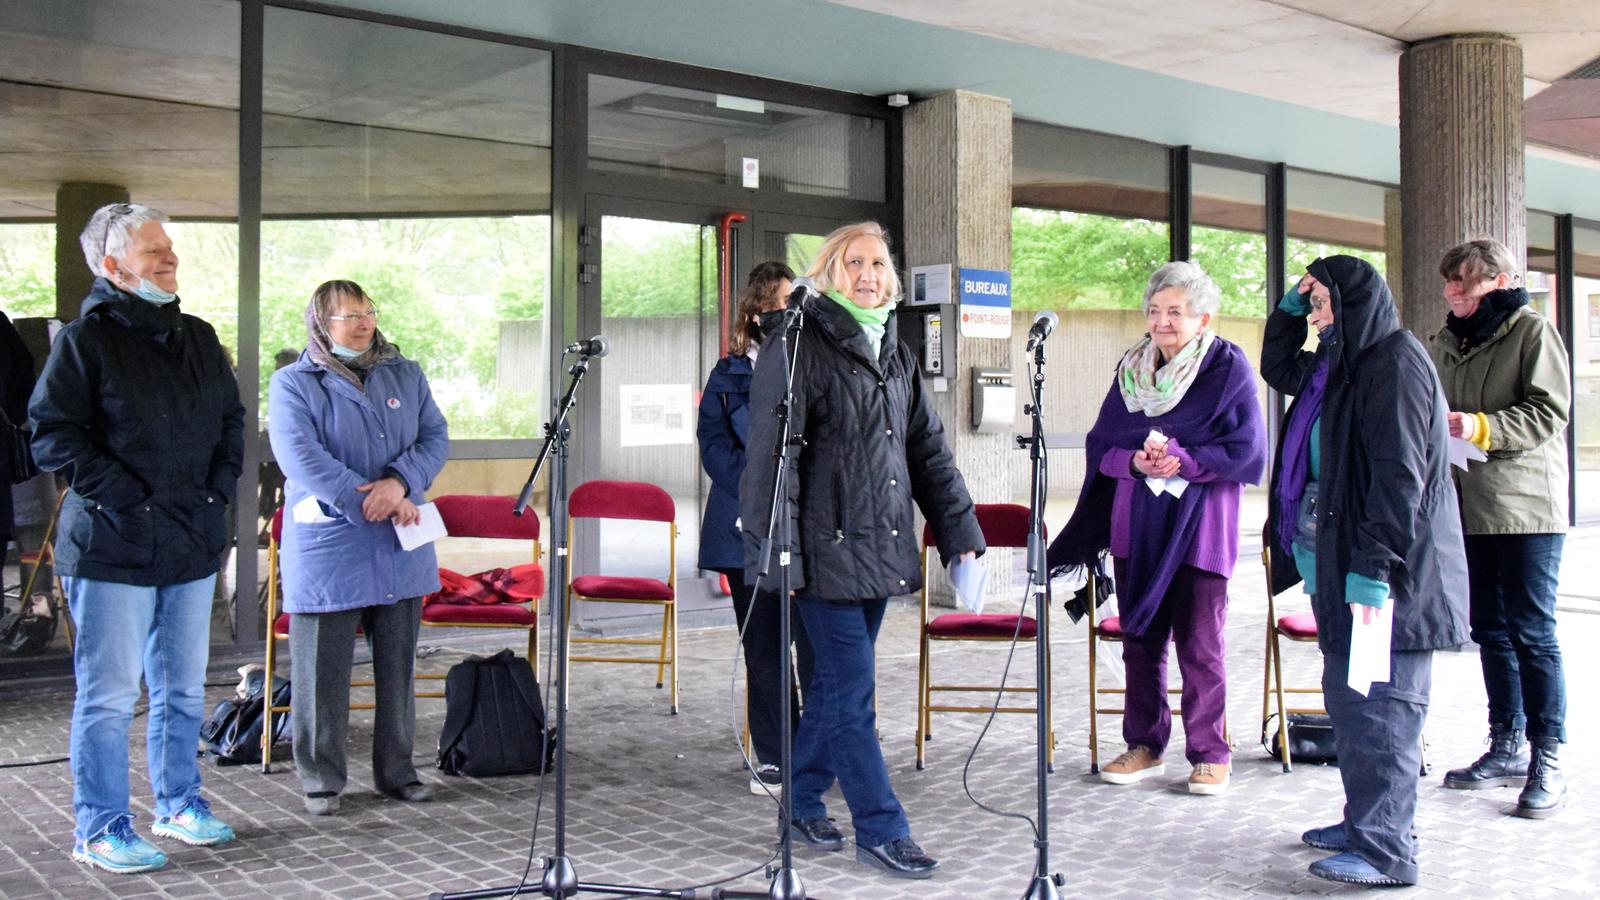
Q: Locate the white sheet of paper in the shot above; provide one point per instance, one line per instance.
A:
(1461, 451)
(309, 512)
(427, 530)
(1369, 649)
(969, 577)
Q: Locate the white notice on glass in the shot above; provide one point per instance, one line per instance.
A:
(429, 528)
(1369, 648)
(968, 577)
(1461, 451)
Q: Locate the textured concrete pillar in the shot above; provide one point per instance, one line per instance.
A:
(76, 201)
(1461, 159)
(1394, 248)
(958, 211)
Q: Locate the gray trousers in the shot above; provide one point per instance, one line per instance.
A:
(1379, 739)
(321, 655)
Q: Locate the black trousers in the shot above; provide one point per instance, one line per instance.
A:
(1379, 738)
(763, 664)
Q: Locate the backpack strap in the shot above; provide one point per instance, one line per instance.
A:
(458, 715)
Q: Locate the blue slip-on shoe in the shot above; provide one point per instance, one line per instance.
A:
(1329, 837)
(119, 849)
(1348, 868)
(194, 825)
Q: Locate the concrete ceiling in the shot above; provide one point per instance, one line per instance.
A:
(1337, 55)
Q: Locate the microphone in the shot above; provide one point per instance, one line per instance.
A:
(1043, 324)
(804, 289)
(596, 346)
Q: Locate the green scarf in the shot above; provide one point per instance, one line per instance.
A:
(872, 321)
(1152, 388)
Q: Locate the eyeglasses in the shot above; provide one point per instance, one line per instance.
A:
(118, 211)
(370, 315)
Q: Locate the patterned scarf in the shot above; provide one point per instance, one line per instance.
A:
(1152, 388)
(320, 346)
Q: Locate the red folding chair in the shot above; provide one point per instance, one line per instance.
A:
(637, 501)
(1003, 525)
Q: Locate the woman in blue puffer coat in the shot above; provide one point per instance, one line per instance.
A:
(724, 422)
(355, 429)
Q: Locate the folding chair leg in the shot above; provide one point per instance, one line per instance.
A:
(1094, 704)
(1283, 718)
(661, 651)
(673, 610)
(922, 697)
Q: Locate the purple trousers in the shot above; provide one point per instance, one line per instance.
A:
(1192, 616)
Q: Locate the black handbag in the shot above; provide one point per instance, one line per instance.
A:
(1310, 738)
(232, 732)
(15, 439)
(29, 630)
(494, 720)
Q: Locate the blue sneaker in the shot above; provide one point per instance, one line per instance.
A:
(194, 825)
(1348, 868)
(119, 849)
(1328, 837)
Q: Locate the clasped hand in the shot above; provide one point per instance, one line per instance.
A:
(1154, 461)
(386, 499)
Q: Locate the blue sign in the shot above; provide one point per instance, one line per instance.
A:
(985, 303)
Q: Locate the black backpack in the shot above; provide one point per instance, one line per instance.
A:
(494, 719)
(232, 733)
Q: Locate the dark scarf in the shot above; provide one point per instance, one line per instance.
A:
(1493, 310)
(1219, 425)
(1296, 462)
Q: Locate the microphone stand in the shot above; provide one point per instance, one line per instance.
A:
(786, 883)
(1044, 884)
(559, 879)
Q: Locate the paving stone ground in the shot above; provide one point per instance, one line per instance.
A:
(662, 800)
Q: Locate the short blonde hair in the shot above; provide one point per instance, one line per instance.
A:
(828, 270)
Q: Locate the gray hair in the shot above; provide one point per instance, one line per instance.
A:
(110, 231)
(1203, 293)
(1479, 259)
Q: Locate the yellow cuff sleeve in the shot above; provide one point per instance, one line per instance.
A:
(1480, 430)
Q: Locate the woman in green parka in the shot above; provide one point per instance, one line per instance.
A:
(1505, 376)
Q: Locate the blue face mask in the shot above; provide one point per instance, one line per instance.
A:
(344, 352)
(147, 290)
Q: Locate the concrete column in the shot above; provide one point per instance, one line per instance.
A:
(1394, 248)
(958, 211)
(1461, 159)
(76, 201)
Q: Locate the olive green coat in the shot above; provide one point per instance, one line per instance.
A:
(1518, 378)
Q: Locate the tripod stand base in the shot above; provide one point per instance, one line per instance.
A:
(1044, 888)
(786, 885)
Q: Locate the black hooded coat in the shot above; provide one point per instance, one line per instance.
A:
(1386, 507)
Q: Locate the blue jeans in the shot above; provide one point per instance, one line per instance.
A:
(125, 630)
(838, 731)
(1512, 579)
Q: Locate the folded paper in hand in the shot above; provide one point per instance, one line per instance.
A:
(1461, 451)
(1174, 485)
(968, 577)
(429, 528)
(1369, 648)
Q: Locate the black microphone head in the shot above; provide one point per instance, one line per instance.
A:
(599, 346)
(804, 287)
(1049, 317)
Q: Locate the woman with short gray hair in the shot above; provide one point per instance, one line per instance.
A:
(1504, 372)
(1178, 436)
(139, 412)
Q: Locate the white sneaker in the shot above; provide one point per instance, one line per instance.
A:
(766, 779)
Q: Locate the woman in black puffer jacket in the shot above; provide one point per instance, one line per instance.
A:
(872, 445)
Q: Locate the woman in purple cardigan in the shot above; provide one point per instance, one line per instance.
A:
(1178, 435)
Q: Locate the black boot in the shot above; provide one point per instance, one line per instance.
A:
(1546, 790)
(1504, 765)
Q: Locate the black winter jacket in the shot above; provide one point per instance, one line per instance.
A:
(16, 383)
(1386, 504)
(139, 411)
(872, 446)
(724, 424)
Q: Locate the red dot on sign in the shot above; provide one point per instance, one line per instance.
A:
(966, 317)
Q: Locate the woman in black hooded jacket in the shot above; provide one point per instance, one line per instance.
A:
(1385, 532)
